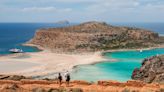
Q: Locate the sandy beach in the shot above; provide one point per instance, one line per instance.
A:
(44, 62)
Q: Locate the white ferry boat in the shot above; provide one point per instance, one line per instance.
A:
(141, 50)
(15, 50)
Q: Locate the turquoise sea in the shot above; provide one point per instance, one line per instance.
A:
(120, 70)
(12, 35)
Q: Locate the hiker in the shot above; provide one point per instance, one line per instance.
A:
(67, 79)
(60, 79)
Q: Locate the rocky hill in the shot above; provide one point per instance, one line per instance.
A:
(93, 36)
(152, 70)
(15, 83)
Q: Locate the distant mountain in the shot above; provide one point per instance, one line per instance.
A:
(64, 22)
(94, 36)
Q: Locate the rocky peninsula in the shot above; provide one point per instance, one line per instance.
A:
(151, 71)
(94, 36)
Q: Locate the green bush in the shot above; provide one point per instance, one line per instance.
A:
(126, 90)
(161, 90)
(76, 90)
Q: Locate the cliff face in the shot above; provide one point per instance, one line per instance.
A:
(152, 70)
(93, 36)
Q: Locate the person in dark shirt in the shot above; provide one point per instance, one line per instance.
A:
(60, 79)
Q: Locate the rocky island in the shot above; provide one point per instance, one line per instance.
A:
(94, 36)
(63, 22)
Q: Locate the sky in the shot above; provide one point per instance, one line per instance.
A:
(82, 10)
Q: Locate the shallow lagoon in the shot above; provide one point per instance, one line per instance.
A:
(120, 70)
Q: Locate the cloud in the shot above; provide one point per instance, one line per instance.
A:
(114, 4)
(77, 1)
(39, 9)
(83, 10)
(45, 9)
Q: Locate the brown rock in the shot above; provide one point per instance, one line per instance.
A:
(81, 82)
(10, 88)
(13, 77)
(39, 90)
(80, 86)
(152, 70)
(135, 83)
(43, 82)
(111, 83)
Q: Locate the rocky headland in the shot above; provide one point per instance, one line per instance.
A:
(151, 71)
(94, 36)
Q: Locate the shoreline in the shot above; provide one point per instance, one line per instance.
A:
(33, 45)
(101, 51)
(137, 49)
(52, 63)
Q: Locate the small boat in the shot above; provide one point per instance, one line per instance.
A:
(157, 55)
(15, 50)
(141, 50)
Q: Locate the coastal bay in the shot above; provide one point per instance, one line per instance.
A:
(48, 63)
(102, 65)
(82, 46)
